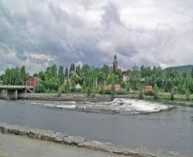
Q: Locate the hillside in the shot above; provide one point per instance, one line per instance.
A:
(182, 69)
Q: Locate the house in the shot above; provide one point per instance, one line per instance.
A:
(78, 86)
(31, 81)
(116, 86)
(125, 76)
(148, 88)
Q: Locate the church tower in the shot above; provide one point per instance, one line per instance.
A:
(115, 63)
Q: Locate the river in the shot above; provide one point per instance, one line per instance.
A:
(168, 131)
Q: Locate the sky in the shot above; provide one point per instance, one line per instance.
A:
(38, 33)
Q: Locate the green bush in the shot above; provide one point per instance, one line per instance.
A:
(40, 88)
(141, 93)
(187, 94)
(121, 92)
(155, 92)
(107, 91)
(149, 93)
(172, 93)
(102, 91)
(78, 90)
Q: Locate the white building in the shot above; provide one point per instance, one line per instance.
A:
(125, 76)
(78, 86)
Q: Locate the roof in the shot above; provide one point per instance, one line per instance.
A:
(125, 73)
(148, 88)
(78, 86)
(33, 77)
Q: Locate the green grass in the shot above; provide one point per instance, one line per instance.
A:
(162, 96)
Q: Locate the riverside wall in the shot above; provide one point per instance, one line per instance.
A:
(61, 138)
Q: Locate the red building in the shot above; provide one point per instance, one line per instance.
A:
(31, 81)
(148, 88)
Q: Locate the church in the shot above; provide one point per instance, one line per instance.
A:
(115, 63)
(116, 66)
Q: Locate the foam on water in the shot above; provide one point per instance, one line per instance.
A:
(62, 106)
(139, 105)
(118, 105)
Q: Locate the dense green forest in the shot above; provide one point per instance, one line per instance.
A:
(182, 69)
(94, 80)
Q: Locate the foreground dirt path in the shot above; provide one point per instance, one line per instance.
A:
(17, 146)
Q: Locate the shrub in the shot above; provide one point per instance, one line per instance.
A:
(78, 90)
(187, 94)
(149, 93)
(40, 88)
(155, 92)
(102, 91)
(172, 93)
(121, 92)
(141, 93)
(107, 91)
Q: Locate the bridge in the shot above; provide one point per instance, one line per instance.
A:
(14, 91)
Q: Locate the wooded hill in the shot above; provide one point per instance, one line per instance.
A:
(182, 69)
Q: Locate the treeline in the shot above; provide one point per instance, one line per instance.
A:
(14, 76)
(94, 79)
(64, 80)
(166, 80)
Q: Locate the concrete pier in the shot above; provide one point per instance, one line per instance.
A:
(14, 91)
(12, 94)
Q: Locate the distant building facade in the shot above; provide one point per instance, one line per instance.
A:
(31, 81)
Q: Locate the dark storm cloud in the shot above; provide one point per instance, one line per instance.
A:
(111, 14)
(61, 32)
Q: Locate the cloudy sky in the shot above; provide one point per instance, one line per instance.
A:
(38, 33)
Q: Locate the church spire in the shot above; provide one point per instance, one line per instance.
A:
(115, 63)
(115, 57)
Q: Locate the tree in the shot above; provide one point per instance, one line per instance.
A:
(54, 71)
(187, 94)
(155, 92)
(172, 93)
(47, 74)
(192, 72)
(112, 78)
(40, 88)
(66, 72)
(113, 92)
(72, 67)
(141, 94)
(128, 87)
(61, 75)
(23, 74)
(78, 69)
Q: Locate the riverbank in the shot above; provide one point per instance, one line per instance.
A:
(66, 97)
(18, 146)
(75, 141)
(61, 138)
(99, 98)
